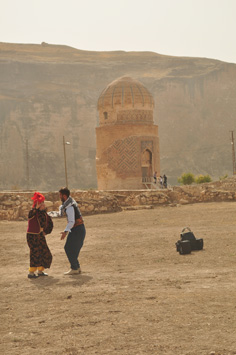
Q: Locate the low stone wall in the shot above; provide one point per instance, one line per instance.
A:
(16, 205)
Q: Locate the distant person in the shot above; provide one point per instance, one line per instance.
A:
(39, 224)
(161, 182)
(74, 231)
(165, 181)
(155, 177)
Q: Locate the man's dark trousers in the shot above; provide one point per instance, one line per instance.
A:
(74, 243)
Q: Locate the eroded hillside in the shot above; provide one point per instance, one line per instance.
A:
(47, 91)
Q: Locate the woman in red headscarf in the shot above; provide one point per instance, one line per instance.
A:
(39, 224)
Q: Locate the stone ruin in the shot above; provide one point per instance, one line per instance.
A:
(14, 206)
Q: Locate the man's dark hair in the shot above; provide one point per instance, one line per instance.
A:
(65, 191)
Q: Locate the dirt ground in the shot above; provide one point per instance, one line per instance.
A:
(136, 294)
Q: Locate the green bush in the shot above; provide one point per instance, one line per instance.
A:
(223, 177)
(200, 179)
(186, 179)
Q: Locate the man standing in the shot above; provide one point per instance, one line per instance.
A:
(75, 230)
(165, 181)
(155, 177)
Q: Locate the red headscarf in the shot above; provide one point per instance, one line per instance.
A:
(38, 197)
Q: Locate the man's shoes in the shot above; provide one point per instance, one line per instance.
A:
(42, 274)
(32, 276)
(73, 272)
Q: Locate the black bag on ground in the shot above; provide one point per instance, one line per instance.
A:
(196, 244)
(183, 247)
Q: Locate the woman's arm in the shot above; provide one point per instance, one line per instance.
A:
(32, 213)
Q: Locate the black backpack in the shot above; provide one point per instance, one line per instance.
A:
(188, 242)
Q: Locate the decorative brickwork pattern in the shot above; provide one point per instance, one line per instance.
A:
(135, 116)
(147, 145)
(123, 155)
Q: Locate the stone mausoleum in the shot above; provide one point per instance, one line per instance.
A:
(127, 139)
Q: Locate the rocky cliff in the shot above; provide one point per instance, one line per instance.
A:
(47, 91)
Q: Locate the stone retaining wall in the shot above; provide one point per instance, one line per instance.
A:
(16, 205)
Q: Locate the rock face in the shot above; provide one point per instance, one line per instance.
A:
(48, 91)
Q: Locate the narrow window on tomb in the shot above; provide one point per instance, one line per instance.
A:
(105, 115)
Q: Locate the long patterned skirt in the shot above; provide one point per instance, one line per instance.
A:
(40, 254)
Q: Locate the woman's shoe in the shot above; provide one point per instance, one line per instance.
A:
(42, 274)
(32, 276)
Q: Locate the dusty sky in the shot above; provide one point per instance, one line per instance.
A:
(195, 28)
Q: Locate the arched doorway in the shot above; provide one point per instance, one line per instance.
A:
(146, 165)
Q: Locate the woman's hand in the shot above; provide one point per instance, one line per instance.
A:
(42, 206)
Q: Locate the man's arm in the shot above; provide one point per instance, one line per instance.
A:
(70, 221)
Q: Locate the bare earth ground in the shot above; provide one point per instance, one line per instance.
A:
(136, 295)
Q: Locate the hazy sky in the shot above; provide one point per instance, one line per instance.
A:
(195, 28)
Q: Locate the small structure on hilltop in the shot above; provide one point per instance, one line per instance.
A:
(127, 139)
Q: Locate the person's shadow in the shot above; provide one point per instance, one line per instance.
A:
(72, 280)
(75, 280)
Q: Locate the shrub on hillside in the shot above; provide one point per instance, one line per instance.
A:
(223, 177)
(200, 179)
(186, 179)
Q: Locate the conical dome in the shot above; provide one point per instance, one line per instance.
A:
(125, 92)
(125, 101)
